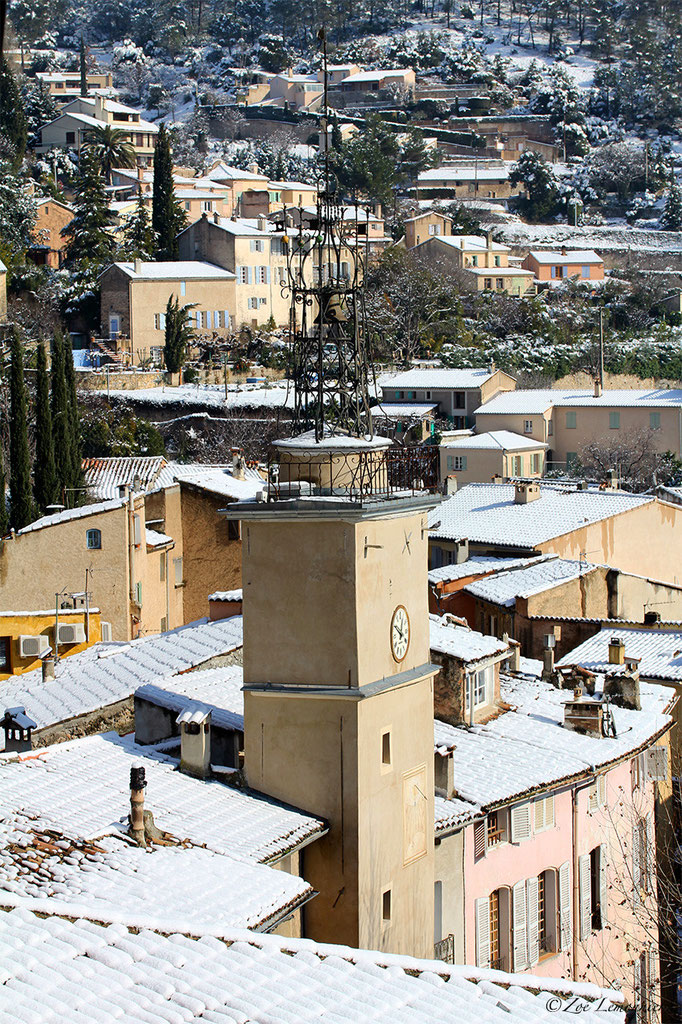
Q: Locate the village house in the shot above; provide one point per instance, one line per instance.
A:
(477, 263)
(28, 638)
(635, 533)
(64, 86)
(294, 92)
(365, 86)
(458, 393)
(424, 226)
(570, 419)
(47, 242)
(549, 267)
(134, 296)
(479, 458)
(275, 197)
(481, 179)
(85, 113)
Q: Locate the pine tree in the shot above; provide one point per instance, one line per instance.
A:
(179, 334)
(88, 240)
(21, 499)
(671, 218)
(137, 233)
(167, 216)
(83, 68)
(60, 416)
(45, 484)
(13, 124)
(76, 480)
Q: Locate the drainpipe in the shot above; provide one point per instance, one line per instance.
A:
(168, 622)
(131, 555)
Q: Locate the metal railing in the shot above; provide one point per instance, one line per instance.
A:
(445, 949)
(356, 476)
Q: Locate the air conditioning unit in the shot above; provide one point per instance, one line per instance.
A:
(33, 646)
(106, 632)
(71, 633)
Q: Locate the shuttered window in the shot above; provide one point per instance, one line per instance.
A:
(544, 813)
(585, 895)
(520, 822)
(482, 912)
(597, 793)
(480, 839)
(533, 920)
(657, 764)
(519, 927)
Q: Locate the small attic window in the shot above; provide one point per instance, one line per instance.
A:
(386, 747)
(93, 539)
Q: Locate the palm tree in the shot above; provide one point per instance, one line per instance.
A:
(110, 148)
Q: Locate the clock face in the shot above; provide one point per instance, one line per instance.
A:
(400, 633)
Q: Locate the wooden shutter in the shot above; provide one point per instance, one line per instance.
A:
(650, 863)
(532, 916)
(520, 949)
(565, 906)
(657, 764)
(592, 791)
(603, 889)
(480, 838)
(601, 790)
(482, 913)
(636, 864)
(585, 896)
(539, 812)
(520, 822)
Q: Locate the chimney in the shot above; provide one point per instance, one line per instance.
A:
(140, 174)
(451, 484)
(489, 239)
(444, 774)
(496, 479)
(597, 388)
(137, 483)
(47, 667)
(254, 168)
(262, 222)
(548, 665)
(514, 661)
(616, 651)
(137, 266)
(612, 480)
(238, 464)
(525, 493)
(622, 688)
(195, 740)
(17, 727)
(99, 108)
(137, 787)
(563, 250)
(584, 716)
(216, 218)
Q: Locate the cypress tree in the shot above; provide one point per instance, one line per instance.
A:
(83, 68)
(179, 334)
(167, 216)
(45, 484)
(21, 499)
(13, 124)
(60, 417)
(76, 480)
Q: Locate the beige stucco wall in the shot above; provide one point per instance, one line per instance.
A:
(593, 424)
(449, 870)
(212, 561)
(148, 298)
(483, 464)
(516, 423)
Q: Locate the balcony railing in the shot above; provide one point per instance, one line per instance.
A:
(374, 474)
(445, 949)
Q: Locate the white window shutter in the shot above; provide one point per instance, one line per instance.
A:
(657, 764)
(603, 889)
(539, 812)
(249, 275)
(585, 896)
(482, 913)
(519, 926)
(651, 968)
(636, 865)
(532, 912)
(601, 790)
(565, 906)
(480, 838)
(650, 855)
(549, 811)
(520, 822)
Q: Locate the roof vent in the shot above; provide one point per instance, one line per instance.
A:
(616, 651)
(612, 481)
(525, 493)
(195, 740)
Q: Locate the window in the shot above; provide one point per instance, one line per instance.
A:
(517, 464)
(480, 686)
(234, 529)
(614, 421)
(456, 463)
(491, 915)
(459, 400)
(257, 245)
(550, 428)
(528, 426)
(474, 261)
(188, 205)
(571, 459)
(585, 271)
(114, 325)
(197, 317)
(645, 982)
(480, 839)
(547, 914)
(499, 283)
(177, 570)
(262, 275)
(386, 747)
(138, 593)
(428, 396)
(494, 908)
(592, 891)
(386, 906)
(183, 287)
(497, 828)
(207, 205)
(253, 304)
(544, 813)
(5, 647)
(643, 854)
(93, 539)
(70, 138)
(162, 567)
(535, 462)
(498, 261)
(488, 283)
(159, 321)
(437, 911)
(571, 420)
(597, 793)
(164, 624)
(520, 822)
(244, 275)
(655, 420)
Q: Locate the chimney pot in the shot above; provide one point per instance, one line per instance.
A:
(597, 389)
(137, 787)
(616, 651)
(48, 668)
(216, 218)
(137, 266)
(525, 493)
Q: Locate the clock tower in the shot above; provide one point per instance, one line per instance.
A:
(338, 686)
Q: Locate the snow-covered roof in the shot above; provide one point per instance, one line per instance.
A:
(478, 565)
(399, 410)
(513, 271)
(330, 441)
(110, 672)
(487, 513)
(218, 480)
(376, 76)
(496, 440)
(154, 539)
(528, 748)
(457, 174)
(472, 243)
(227, 595)
(276, 396)
(175, 270)
(461, 642)
(659, 651)
(584, 256)
(503, 588)
(59, 969)
(539, 401)
(82, 787)
(219, 689)
(225, 172)
(439, 379)
(69, 514)
(103, 477)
